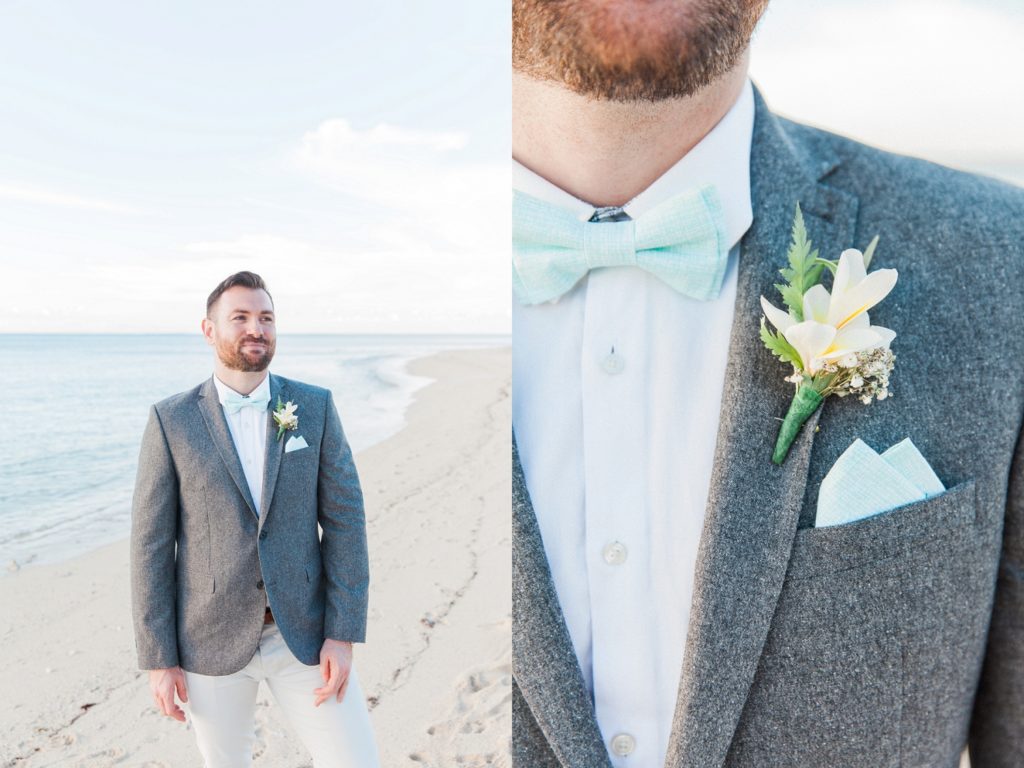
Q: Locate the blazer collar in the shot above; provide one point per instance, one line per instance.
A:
(753, 505)
(543, 661)
(279, 389)
(216, 423)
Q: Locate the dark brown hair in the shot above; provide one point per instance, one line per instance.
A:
(245, 279)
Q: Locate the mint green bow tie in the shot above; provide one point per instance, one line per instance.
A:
(234, 402)
(682, 241)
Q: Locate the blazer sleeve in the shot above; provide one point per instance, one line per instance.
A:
(343, 543)
(153, 542)
(997, 726)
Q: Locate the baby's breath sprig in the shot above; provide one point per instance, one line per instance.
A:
(864, 374)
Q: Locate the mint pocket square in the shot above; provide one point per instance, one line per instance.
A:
(295, 443)
(863, 483)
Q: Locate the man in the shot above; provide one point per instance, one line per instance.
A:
(674, 603)
(231, 583)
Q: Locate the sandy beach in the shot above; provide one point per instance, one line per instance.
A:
(436, 668)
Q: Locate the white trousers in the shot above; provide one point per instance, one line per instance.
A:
(222, 709)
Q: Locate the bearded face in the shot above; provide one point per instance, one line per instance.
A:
(241, 329)
(250, 353)
(633, 49)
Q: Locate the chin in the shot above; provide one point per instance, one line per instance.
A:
(260, 364)
(238, 361)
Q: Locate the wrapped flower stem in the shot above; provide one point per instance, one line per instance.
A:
(805, 402)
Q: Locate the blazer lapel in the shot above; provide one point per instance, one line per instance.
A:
(213, 415)
(275, 447)
(543, 660)
(753, 505)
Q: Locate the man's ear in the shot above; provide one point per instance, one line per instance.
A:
(208, 329)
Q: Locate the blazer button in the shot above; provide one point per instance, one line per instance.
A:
(263, 535)
(259, 584)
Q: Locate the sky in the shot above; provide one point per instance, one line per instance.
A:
(353, 154)
(939, 79)
(356, 154)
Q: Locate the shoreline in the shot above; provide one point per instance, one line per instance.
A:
(436, 668)
(407, 384)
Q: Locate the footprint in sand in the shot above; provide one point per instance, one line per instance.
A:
(470, 736)
(487, 760)
(107, 757)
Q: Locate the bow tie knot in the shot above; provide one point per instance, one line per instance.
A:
(613, 244)
(234, 402)
(682, 241)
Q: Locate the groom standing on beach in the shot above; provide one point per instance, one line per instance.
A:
(231, 581)
(677, 598)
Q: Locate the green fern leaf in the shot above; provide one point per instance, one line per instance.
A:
(779, 347)
(793, 298)
(804, 268)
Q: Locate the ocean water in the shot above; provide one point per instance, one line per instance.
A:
(74, 408)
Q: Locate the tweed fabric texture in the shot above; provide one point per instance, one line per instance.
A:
(887, 641)
(204, 564)
(682, 241)
(544, 664)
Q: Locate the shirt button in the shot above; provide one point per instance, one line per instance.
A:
(623, 744)
(615, 553)
(259, 584)
(613, 364)
(263, 535)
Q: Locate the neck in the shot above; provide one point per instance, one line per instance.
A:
(243, 382)
(607, 152)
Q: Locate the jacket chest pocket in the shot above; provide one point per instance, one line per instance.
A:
(821, 551)
(874, 637)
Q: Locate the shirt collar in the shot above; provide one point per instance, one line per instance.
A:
(721, 158)
(223, 389)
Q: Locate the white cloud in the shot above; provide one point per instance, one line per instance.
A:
(419, 177)
(418, 244)
(261, 247)
(41, 196)
(935, 78)
(335, 289)
(335, 139)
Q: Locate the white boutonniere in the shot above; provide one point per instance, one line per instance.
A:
(284, 417)
(827, 336)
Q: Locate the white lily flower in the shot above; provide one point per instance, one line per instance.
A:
(781, 320)
(818, 343)
(836, 324)
(854, 291)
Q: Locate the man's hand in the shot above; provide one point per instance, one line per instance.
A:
(163, 683)
(335, 663)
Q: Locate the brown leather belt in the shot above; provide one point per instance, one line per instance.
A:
(268, 617)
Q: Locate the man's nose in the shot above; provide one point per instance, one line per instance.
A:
(256, 328)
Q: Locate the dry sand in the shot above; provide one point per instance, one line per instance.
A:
(436, 667)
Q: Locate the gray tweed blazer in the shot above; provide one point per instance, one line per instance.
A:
(891, 641)
(204, 564)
